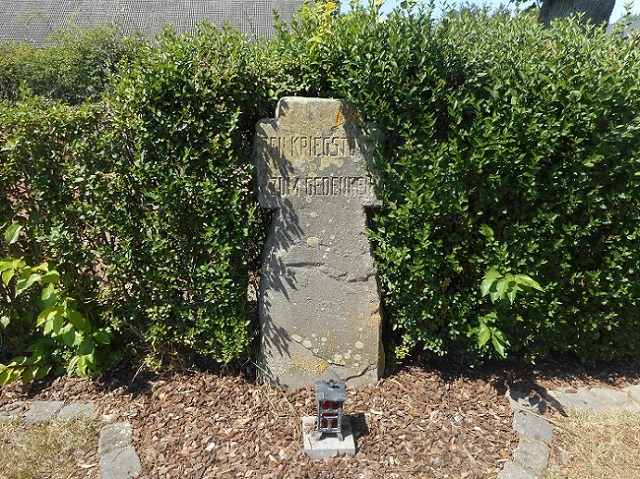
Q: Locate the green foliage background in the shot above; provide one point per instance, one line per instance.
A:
(74, 67)
(506, 147)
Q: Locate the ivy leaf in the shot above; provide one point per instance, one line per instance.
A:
(47, 316)
(513, 290)
(29, 374)
(499, 342)
(526, 280)
(25, 283)
(102, 337)
(42, 372)
(7, 264)
(9, 267)
(488, 281)
(78, 320)
(49, 296)
(502, 286)
(52, 277)
(484, 334)
(69, 336)
(56, 324)
(7, 275)
(5, 374)
(13, 233)
(42, 267)
(484, 331)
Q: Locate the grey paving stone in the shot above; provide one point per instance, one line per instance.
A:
(533, 454)
(634, 392)
(529, 401)
(77, 411)
(530, 425)
(120, 464)
(41, 411)
(115, 437)
(615, 399)
(328, 446)
(512, 470)
(579, 400)
(12, 410)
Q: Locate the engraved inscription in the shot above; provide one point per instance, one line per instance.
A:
(348, 186)
(309, 146)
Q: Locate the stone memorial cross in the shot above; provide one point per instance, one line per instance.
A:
(319, 301)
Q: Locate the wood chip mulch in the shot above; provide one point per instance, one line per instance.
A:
(418, 422)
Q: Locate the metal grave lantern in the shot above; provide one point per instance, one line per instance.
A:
(330, 397)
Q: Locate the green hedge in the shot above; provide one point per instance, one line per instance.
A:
(44, 147)
(177, 195)
(146, 198)
(75, 66)
(506, 147)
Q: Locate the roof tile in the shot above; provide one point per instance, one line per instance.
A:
(34, 20)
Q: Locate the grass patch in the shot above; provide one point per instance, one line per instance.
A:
(596, 445)
(55, 450)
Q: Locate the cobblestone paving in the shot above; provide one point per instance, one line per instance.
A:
(119, 460)
(531, 458)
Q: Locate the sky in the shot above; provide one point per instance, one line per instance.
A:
(618, 10)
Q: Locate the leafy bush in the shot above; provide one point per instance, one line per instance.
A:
(44, 150)
(508, 147)
(543, 169)
(59, 338)
(74, 67)
(175, 193)
(149, 193)
(509, 152)
(44, 147)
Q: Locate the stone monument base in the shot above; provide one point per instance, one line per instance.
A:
(329, 445)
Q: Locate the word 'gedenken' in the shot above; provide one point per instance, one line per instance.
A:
(351, 186)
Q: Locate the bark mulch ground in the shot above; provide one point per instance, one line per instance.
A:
(420, 421)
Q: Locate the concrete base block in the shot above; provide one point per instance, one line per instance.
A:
(328, 445)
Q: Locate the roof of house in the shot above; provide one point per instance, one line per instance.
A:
(34, 20)
(629, 26)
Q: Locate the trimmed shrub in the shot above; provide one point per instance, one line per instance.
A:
(508, 150)
(507, 147)
(74, 67)
(42, 148)
(175, 193)
(148, 195)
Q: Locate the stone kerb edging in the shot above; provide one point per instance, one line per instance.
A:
(531, 457)
(118, 458)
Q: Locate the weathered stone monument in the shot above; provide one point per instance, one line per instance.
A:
(319, 300)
